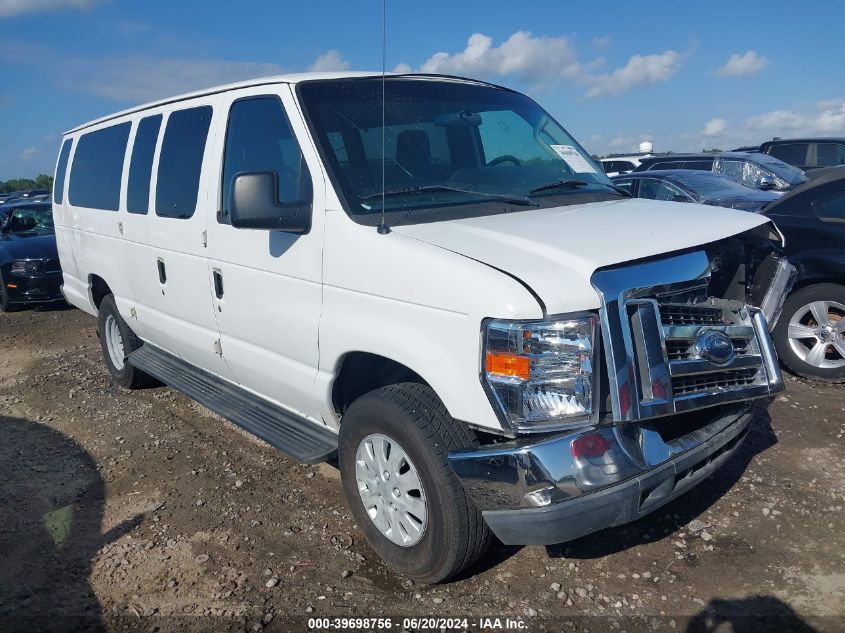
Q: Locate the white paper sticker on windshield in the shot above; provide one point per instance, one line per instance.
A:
(573, 158)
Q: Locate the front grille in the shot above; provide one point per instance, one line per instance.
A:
(52, 266)
(671, 347)
(683, 314)
(686, 385)
(691, 373)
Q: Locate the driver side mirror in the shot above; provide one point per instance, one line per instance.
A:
(680, 198)
(254, 204)
(765, 183)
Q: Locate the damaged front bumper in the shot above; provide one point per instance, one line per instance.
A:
(569, 485)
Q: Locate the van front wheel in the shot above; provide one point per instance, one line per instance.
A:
(117, 341)
(393, 448)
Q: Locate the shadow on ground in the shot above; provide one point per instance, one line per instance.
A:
(51, 507)
(754, 614)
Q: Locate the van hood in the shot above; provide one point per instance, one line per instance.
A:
(555, 251)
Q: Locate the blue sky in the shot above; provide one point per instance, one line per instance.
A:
(683, 75)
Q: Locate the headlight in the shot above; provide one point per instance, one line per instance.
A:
(540, 373)
(26, 266)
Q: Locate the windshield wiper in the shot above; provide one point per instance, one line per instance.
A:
(558, 184)
(575, 184)
(500, 197)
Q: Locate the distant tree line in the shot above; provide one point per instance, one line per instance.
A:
(42, 181)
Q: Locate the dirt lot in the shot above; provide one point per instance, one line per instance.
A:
(142, 510)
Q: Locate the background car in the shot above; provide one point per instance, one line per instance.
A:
(810, 334)
(807, 153)
(752, 169)
(684, 185)
(29, 262)
(620, 164)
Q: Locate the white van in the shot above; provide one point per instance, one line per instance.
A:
(427, 279)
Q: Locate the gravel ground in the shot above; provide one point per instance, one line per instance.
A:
(142, 510)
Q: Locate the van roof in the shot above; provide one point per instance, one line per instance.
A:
(262, 81)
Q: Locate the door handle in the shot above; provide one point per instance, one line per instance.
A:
(218, 284)
(162, 272)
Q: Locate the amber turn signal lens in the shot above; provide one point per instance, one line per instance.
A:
(508, 365)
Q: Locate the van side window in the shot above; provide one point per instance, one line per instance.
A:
(97, 168)
(61, 168)
(141, 165)
(180, 163)
(259, 138)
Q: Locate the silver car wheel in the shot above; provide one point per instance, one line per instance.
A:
(391, 490)
(816, 334)
(114, 342)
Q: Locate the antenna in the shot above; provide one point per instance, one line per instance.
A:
(383, 229)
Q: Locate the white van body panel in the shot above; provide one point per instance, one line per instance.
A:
(177, 315)
(95, 238)
(418, 305)
(272, 282)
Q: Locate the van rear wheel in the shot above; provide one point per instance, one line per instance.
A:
(393, 448)
(117, 341)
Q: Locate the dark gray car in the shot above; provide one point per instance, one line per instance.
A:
(703, 187)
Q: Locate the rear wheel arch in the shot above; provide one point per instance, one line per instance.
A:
(98, 289)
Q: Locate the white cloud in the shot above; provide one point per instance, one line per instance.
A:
(714, 127)
(828, 118)
(28, 153)
(10, 8)
(749, 63)
(627, 143)
(144, 78)
(602, 42)
(543, 61)
(641, 70)
(140, 79)
(540, 60)
(330, 60)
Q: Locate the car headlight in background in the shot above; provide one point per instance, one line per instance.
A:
(26, 266)
(540, 373)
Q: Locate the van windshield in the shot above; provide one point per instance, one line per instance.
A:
(445, 145)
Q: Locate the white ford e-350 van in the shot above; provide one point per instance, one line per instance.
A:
(428, 279)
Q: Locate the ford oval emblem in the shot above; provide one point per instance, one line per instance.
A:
(715, 346)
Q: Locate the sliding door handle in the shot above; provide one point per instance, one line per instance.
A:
(218, 284)
(162, 272)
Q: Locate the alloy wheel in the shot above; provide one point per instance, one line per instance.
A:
(816, 334)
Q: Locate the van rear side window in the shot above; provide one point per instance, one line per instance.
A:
(141, 165)
(97, 168)
(180, 163)
(61, 168)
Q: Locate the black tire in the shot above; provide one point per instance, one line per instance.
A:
(127, 376)
(792, 307)
(413, 416)
(5, 303)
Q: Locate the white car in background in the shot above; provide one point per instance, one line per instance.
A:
(621, 164)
